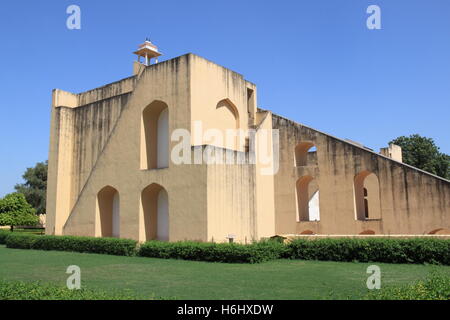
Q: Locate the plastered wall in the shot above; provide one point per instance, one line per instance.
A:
(96, 141)
(410, 201)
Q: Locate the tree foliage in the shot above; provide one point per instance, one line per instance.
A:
(422, 152)
(16, 211)
(35, 186)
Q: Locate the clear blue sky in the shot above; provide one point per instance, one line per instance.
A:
(314, 61)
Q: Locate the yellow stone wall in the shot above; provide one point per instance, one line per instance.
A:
(96, 141)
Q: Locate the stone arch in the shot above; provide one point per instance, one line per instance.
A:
(228, 120)
(226, 103)
(155, 136)
(367, 232)
(308, 201)
(108, 213)
(367, 196)
(154, 222)
(440, 231)
(305, 153)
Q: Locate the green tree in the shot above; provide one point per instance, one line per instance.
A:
(35, 186)
(443, 166)
(422, 152)
(16, 211)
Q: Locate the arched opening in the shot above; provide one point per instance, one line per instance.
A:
(155, 136)
(367, 196)
(305, 154)
(227, 116)
(108, 213)
(367, 232)
(440, 231)
(366, 203)
(308, 232)
(227, 104)
(308, 202)
(154, 213)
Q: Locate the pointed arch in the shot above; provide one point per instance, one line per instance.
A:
(228, 121)
(107, 222)
(305, 153)
(440, 231)
(367, 196)
(155, 136)
(367, 232)
(308, 199)
(154, 213)
(226, 103)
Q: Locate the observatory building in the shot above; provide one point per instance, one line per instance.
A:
(180, 151)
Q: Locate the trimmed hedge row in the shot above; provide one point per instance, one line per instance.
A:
(3, 235)
(12, 290)
(388, 250)
(113, 246)
(413, 250)
(214, 252)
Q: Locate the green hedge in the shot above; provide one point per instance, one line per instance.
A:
(113, 246)
(435, 287)
(214, 252)
(389, 250)
(3, 235)
(43, 291)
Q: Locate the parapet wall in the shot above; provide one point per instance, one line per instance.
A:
(411, 201)
(80, 128)
(108, 91)
(92, 126)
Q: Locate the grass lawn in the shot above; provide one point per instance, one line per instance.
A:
(148, 277)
